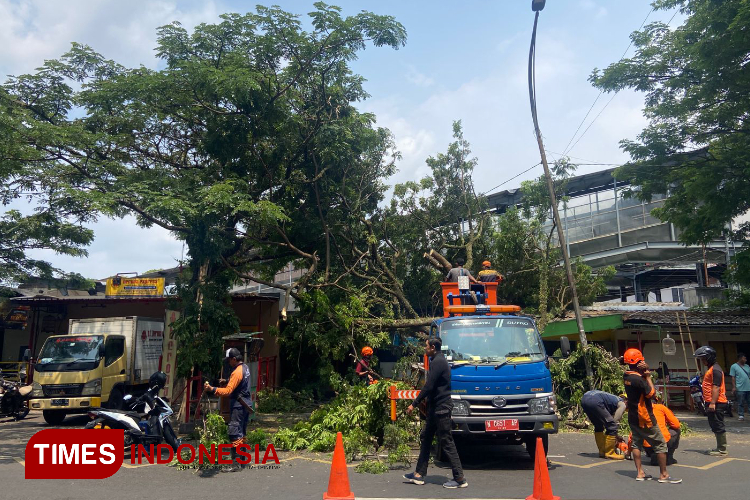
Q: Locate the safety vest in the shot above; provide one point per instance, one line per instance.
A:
(242, 390)
(708, 383)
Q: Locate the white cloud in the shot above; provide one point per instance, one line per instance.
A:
(120, 246)
(36, 30)
(417, 78)
(590, 5)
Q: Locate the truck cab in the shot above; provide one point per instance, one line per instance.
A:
(75, 373)
(500, 379)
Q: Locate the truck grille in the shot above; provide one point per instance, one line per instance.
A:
(484, 407)
(53, 390)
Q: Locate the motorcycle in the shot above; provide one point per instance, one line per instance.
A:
(14, 397)
(144, 419)
(696, 392)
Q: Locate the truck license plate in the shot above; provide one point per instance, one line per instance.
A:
(60, 402)
(508, 424)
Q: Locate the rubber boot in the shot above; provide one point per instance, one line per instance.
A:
(235, 466)
(721, 446)
(610, 448)
(599, 437)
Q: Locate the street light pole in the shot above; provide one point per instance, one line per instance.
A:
(537, 6)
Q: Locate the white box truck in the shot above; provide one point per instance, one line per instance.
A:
(95, 364)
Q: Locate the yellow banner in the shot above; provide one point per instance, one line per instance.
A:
(134, 287)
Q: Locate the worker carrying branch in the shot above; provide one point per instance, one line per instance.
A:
(605, 411)
(238, 389)
(364, 367)
(489, 275)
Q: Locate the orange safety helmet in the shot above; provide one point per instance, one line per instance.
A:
(487, 263)
(633, 356)
(367, 351)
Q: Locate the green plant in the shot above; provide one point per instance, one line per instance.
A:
(258, 436)
(371, 467)
(361, 414)
(570, 383)
(281, 401)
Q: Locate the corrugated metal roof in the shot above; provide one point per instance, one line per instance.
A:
(694, 318)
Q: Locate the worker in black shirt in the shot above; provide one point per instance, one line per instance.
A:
(643, 424)
(437, 391)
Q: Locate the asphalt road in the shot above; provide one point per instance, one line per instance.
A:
(500, 473)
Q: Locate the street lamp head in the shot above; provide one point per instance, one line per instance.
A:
(537, 5)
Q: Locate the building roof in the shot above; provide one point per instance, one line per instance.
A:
(694, 318)
(240, 297)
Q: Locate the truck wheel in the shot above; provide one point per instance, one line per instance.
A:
(531, 445)
(115, 399)
(53, 417)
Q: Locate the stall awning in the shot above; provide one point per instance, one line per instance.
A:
(590, 324)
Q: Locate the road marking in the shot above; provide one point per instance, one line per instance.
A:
(23, 463)
(711, 466)
(136, 466)
(312, 460)
(402, 498)
(588, 466)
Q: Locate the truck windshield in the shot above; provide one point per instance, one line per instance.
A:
(70, 353)
(492, 340)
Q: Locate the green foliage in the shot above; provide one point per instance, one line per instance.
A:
(281, 401)
(214, 430)
(258, 436)
(361, 414)
(371, 467)
(695, 146)
(47, 229)
(570, 383)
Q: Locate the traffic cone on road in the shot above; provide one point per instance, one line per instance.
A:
(542, 486)
(338, 482)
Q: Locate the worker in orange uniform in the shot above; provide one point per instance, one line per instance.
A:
(715, 396)
(489, 275)
(643, 424)
(670, 429)
(238, 389)
(363, 368)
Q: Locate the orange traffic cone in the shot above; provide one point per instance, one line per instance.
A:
(338, 482)
(542, 486)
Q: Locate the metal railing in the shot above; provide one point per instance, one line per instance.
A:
(11, 370)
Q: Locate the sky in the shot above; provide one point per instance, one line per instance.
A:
(462, 61)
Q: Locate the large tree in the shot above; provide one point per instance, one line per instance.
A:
(245, 144)
(697, 144)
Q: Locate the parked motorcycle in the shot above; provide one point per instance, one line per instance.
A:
(144, 419)
(696, 392)
(14, 397)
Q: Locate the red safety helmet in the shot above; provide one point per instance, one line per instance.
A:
(487, 263)
(367, 351)
(633, 356)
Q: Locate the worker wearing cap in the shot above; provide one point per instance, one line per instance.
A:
(715, 396)
(643, 424)
(605, 411)
(489, 275)
(363, 368)
(238, 389)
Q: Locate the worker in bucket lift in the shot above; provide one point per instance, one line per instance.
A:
(459, 270)
(605, 411)
(489, 275)
(238, 389)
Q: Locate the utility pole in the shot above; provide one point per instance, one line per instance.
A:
(537, 6)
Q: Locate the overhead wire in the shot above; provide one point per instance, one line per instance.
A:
(567, 148)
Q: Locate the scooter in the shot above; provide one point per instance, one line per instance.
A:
(14, 397)
(145, 419)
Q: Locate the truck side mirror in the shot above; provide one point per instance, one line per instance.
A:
(565, 346)
(101, 350)
(26, 354)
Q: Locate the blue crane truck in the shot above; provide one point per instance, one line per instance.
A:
(500, 379)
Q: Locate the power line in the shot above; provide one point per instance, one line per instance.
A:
(514, 177)
(567, 149)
